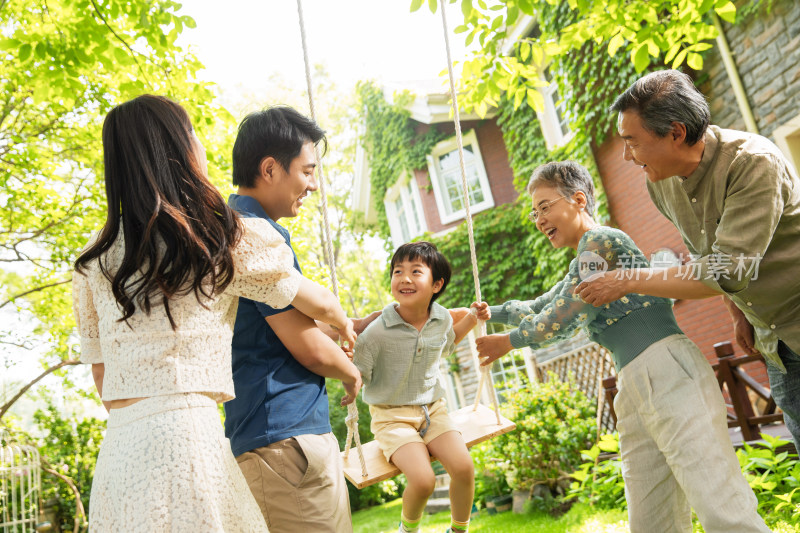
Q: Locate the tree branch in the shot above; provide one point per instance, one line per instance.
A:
(124, 43)
(80, 512)
(24, 389)
(35, 289)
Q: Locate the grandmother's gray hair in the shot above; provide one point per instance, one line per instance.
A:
(568, 177)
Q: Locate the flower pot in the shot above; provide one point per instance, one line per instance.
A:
(503, 503)
(520, 497)
(490, 508)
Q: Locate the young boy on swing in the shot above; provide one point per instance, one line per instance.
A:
(398, 356)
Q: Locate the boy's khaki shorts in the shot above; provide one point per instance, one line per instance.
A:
(397, 425)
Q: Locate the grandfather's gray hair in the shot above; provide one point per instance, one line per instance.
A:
(567, 177)
(664, 97)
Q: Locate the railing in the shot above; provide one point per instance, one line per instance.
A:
(20, 486)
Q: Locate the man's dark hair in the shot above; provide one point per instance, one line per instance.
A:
(426, 253)
(664, 97)
(279, 132)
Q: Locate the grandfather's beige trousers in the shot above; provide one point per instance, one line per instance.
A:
(675, 447)
(299, 484)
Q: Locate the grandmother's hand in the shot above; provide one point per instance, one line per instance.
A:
(493, 347)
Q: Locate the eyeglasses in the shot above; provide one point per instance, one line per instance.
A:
(544, 208)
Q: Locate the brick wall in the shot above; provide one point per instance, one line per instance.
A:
(495, 160)
(707, 321)
(766, 50)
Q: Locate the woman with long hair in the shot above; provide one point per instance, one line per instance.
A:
(155, 296)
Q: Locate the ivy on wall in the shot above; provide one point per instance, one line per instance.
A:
(515, 260)
(394, 147)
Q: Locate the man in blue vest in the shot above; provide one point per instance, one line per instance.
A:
(278, 423)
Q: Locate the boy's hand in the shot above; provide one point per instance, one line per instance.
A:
(360, 324)
(351, 390)
(493, 347)
(481, 310)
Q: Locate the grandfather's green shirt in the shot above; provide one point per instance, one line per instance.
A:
(739, 215)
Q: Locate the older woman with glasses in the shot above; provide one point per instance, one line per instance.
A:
(672, 421)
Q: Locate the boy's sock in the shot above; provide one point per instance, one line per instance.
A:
(409, 526)
(458, 527)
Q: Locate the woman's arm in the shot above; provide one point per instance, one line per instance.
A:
(98, 371)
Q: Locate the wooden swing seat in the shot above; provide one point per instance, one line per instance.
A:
(475, 426)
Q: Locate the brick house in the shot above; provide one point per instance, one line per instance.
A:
(762, 51)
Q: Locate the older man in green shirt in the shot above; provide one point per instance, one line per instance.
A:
(736, 201)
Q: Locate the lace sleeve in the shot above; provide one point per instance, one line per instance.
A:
(264, 266)
(86, 319)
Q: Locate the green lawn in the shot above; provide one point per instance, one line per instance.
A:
(580, 519)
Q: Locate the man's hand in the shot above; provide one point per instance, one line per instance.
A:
(602, 288)
(351, 390)
(347, 335)
(360, 324)
(742, 329)
(493, 347)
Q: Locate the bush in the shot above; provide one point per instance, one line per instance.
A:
(599, 483)
(774, 477)
(555, 421)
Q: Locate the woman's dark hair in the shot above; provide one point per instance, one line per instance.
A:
(567, 177)
(177, 229)
(427, 253)
(279, 132)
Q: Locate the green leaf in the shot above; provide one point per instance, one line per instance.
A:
(726, 11)
(672, 52)
(41, 50)
(189, 22)
(9, 44)
(432, 5)
(25, 52)
(415, 5)
(695, 61)
(679, 58)
(641, 58)
(466, 8)
(615, 43)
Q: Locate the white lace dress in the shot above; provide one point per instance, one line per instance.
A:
(165, 464)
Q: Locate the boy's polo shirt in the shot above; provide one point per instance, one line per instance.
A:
(400, 365)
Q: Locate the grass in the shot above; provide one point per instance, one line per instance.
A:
(580, 519)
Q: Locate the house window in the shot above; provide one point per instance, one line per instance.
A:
(404, 211)
(554, 118)
(508, 371)
(445, 170)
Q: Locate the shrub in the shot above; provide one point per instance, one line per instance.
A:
(599, 483)
(774, 477)
(555, 421)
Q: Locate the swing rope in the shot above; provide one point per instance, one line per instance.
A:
(351, 421)
(485, 378)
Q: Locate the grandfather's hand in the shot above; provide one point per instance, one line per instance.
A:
(602, 288)
(744, 333)
(493, 347)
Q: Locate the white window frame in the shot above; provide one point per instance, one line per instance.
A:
(407, 191)
(445, 147)
(549, 119)
(787, 137)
